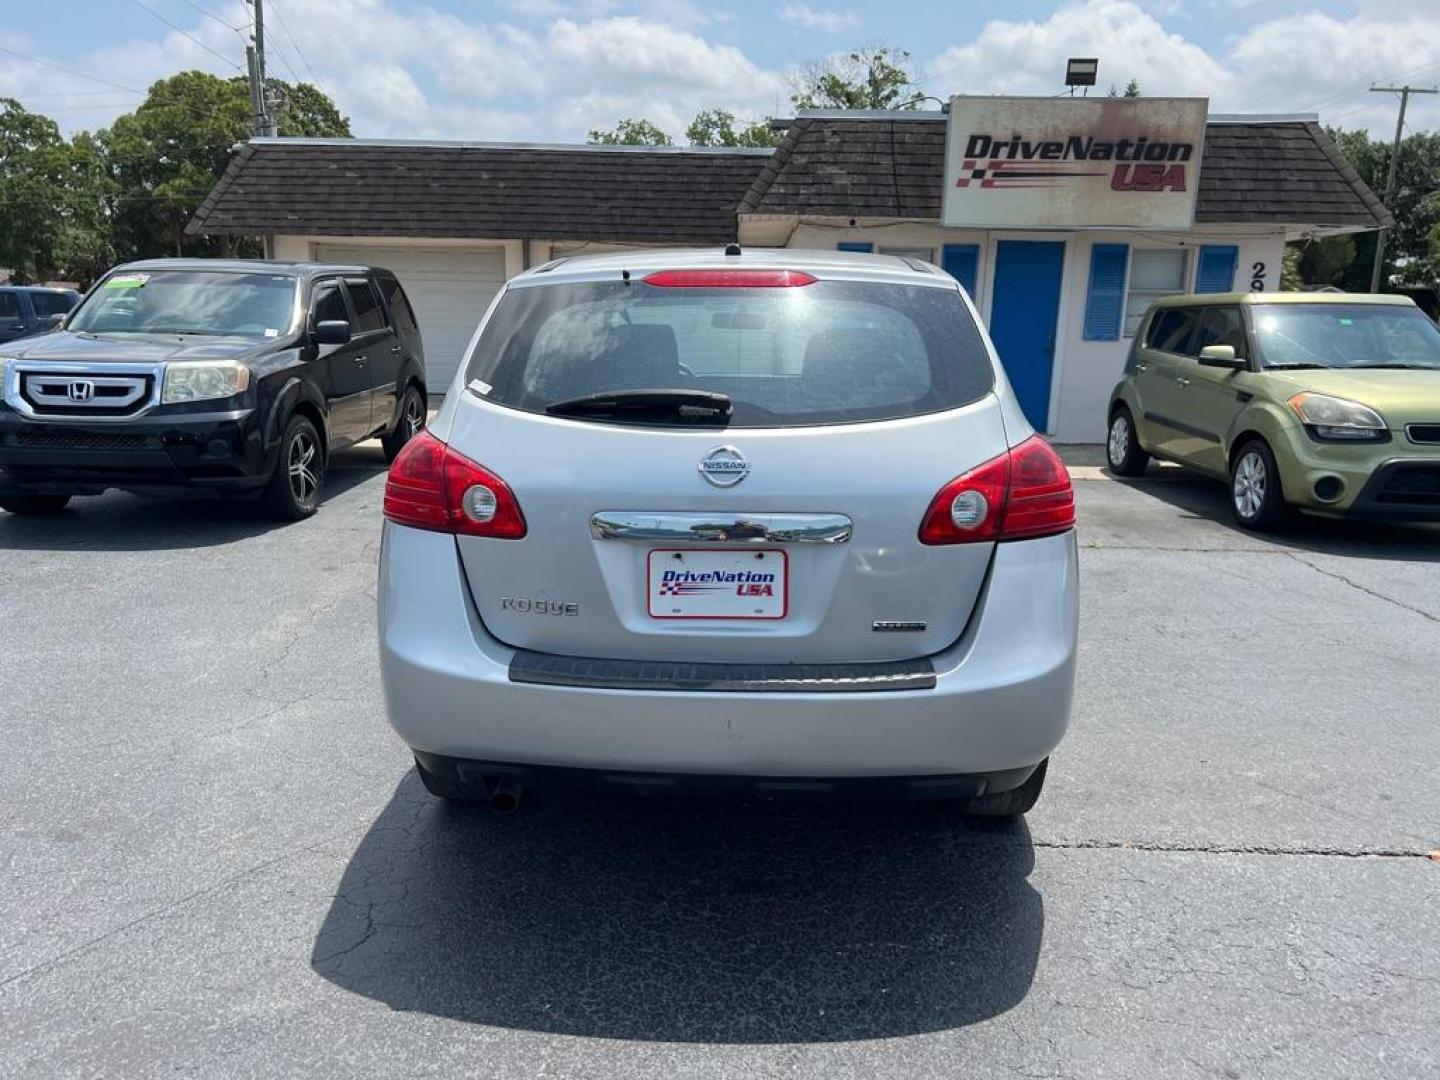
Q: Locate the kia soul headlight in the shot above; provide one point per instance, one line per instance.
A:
(203, 381)
(1338, 418)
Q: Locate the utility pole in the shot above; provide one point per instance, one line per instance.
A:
(1404, 92)
(255, 57)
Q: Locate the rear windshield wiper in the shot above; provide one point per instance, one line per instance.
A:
(697, 406)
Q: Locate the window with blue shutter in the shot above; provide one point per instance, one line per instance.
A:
(961, 261)
(1216, 272)
(1105, 304)
(855, 245)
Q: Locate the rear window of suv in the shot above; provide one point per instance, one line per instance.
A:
(824, 353)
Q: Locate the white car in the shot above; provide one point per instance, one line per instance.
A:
(769, 520)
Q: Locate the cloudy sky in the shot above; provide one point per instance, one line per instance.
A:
(548, 70)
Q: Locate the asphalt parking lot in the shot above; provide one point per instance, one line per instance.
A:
(217, 861)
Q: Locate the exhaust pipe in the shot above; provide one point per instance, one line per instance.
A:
(505, 795)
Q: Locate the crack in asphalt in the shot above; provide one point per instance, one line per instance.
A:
(1230, 849)
(1364, 588)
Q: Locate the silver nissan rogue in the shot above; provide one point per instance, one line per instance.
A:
(770, 521)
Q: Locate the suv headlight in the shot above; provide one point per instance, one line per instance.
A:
(1337, 419)
(203, 381)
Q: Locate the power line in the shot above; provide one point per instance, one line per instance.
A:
(68, 71)
(211, 15)
(186, 34)
(1347, 96)
(198, 110)
(294, 45)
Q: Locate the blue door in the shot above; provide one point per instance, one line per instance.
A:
(1022, 319)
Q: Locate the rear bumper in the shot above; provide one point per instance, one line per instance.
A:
(207, 450)
(1000, 703)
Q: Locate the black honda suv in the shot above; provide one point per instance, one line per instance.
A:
(235, 376)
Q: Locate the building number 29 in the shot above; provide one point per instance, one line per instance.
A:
(1257, 277)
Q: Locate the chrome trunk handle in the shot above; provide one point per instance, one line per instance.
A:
(722, 528)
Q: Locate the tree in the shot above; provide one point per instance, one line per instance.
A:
(878, 78)
(1415, 205)
(716, 127)
(1325, 261)
(1290, 280)
(86, 246)
(630, 132)
(34, 166)
(166, 156)
(1132, 89)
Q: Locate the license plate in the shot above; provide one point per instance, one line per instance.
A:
(730, 584)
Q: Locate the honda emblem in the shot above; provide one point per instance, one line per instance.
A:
(81, 390)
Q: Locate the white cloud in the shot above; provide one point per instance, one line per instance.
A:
(405, 69)
(1312, 59)
(1029, 57)
(1282, 65)
(827, 22)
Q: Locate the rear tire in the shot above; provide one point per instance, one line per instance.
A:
(32, 503)
(293, 492)
(1256, 498)
(1122, 446)
(410, 424)
(1013, 803)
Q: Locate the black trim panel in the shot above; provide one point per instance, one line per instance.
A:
(1181, 426)
(546, 669)
(476, 780)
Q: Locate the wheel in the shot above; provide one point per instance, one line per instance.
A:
(1122, 448)
(294, 489)
(1255, 495)
(412, 419)
(32, 502)
(448, 788)
(1011, 803)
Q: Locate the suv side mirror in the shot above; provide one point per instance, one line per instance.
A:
(52, 322)
(1221, 356)
(332, 332)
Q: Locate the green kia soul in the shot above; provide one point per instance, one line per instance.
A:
(1325, 402)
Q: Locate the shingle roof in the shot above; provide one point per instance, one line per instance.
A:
(1284, 171)
(1273, 171)
(351, 188)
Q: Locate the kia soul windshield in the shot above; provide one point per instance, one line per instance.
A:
(1345, 336)
(189, 302)
(819, 353)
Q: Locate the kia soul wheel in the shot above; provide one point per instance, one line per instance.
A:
(1122, 448)
(1255, 494)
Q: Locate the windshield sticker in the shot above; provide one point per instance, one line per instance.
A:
(126, 281)
(481, 388)
(271, 333)
(1347, 322)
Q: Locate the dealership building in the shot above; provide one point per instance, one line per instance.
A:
(1063, 218)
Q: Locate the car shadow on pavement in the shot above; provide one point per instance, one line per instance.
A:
(118, 521)
(687, 920)
(1201, 497)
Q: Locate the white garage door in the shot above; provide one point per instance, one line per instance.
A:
(449, 288)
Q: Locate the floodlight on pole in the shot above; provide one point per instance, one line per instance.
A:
(1081, 71)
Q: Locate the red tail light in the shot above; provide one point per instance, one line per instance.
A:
(1022, 494)
(728, 279)
(431, 486)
